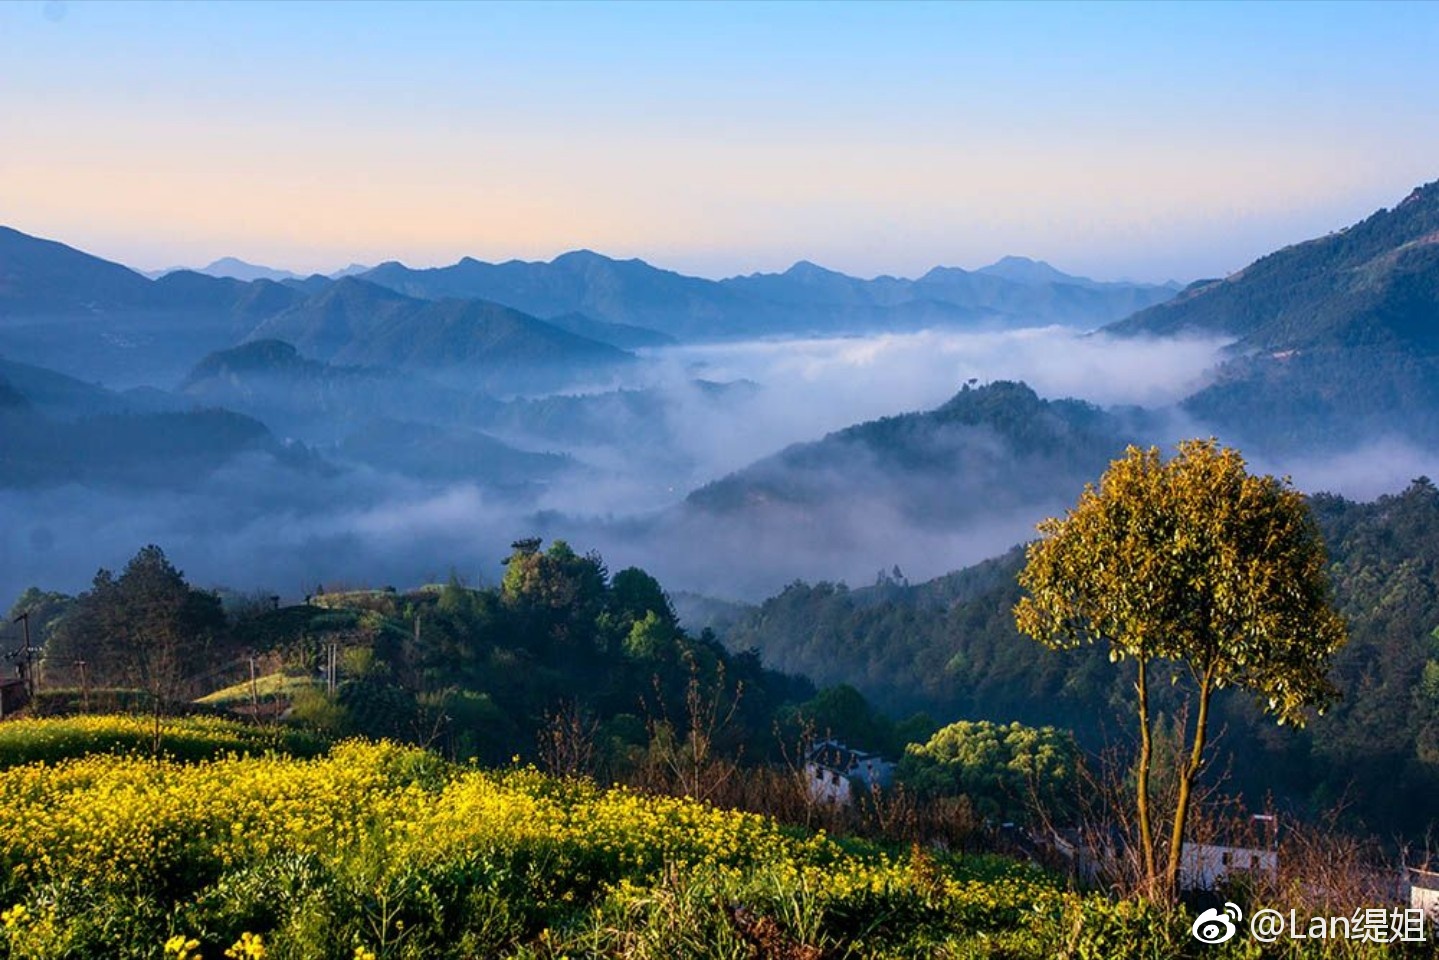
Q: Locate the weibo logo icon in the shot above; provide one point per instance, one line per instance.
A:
(1216, 926)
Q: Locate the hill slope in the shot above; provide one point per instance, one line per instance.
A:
(1374, 284)
(927, 491)
(43, 277)
(353, 321)
(987, 450)
(1337, 338)
(950, 646)
(271, 380)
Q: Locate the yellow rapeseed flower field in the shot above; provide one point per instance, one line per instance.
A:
(377, 851)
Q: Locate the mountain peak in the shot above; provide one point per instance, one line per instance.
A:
(236, 269)
(808, 269)
(1428, 192)
(942, 274)
(581, 256)
(1026, 270)
(256, 356)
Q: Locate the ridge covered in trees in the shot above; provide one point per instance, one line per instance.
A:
(949, 647)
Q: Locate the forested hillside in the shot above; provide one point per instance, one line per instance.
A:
(475, 672)
(950, 647)
(1337, 338)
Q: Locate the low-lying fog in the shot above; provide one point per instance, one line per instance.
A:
(258, 525)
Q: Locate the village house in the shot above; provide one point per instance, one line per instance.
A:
(1205, 866)
(832, 771)
(1424, 891)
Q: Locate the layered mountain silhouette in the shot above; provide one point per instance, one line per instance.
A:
(272, 381)
(1015, 288)
(71, 433)
(804, 299)
(60, 307)
(237, 269)
(627, 292)
(1038, 273)
(353, 321)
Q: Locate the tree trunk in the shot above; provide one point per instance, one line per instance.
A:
(1141, 776)
(1187, 776)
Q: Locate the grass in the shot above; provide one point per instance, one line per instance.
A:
(272, 686)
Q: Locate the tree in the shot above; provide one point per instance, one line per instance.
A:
(557, 594)
(634, 593)
(1194, 566)
(1005, 770)
(147, 628)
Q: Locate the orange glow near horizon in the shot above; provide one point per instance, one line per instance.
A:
(162, 135)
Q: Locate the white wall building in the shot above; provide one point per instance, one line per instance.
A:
(1204, 866)
(1424, 891)
(832, 772)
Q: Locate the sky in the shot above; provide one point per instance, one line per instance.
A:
(1140, 141)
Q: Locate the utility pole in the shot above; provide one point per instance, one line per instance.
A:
(254, 693)
(84, 687)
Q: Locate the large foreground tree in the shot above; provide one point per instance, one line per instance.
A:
(1189, 566)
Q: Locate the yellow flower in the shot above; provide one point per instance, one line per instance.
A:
(179, 948)
(250, 946)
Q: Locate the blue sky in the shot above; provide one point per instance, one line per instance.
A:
(1148, 141)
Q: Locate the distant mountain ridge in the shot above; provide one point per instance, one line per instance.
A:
(236, 269)
(619, 303)
(804, 299)
(62, 308)
(1037, 272)
(233, 268)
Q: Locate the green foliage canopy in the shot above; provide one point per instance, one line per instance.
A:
(1197, 562)
(1003, 768)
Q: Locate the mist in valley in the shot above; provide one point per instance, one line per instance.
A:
(611, 466)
